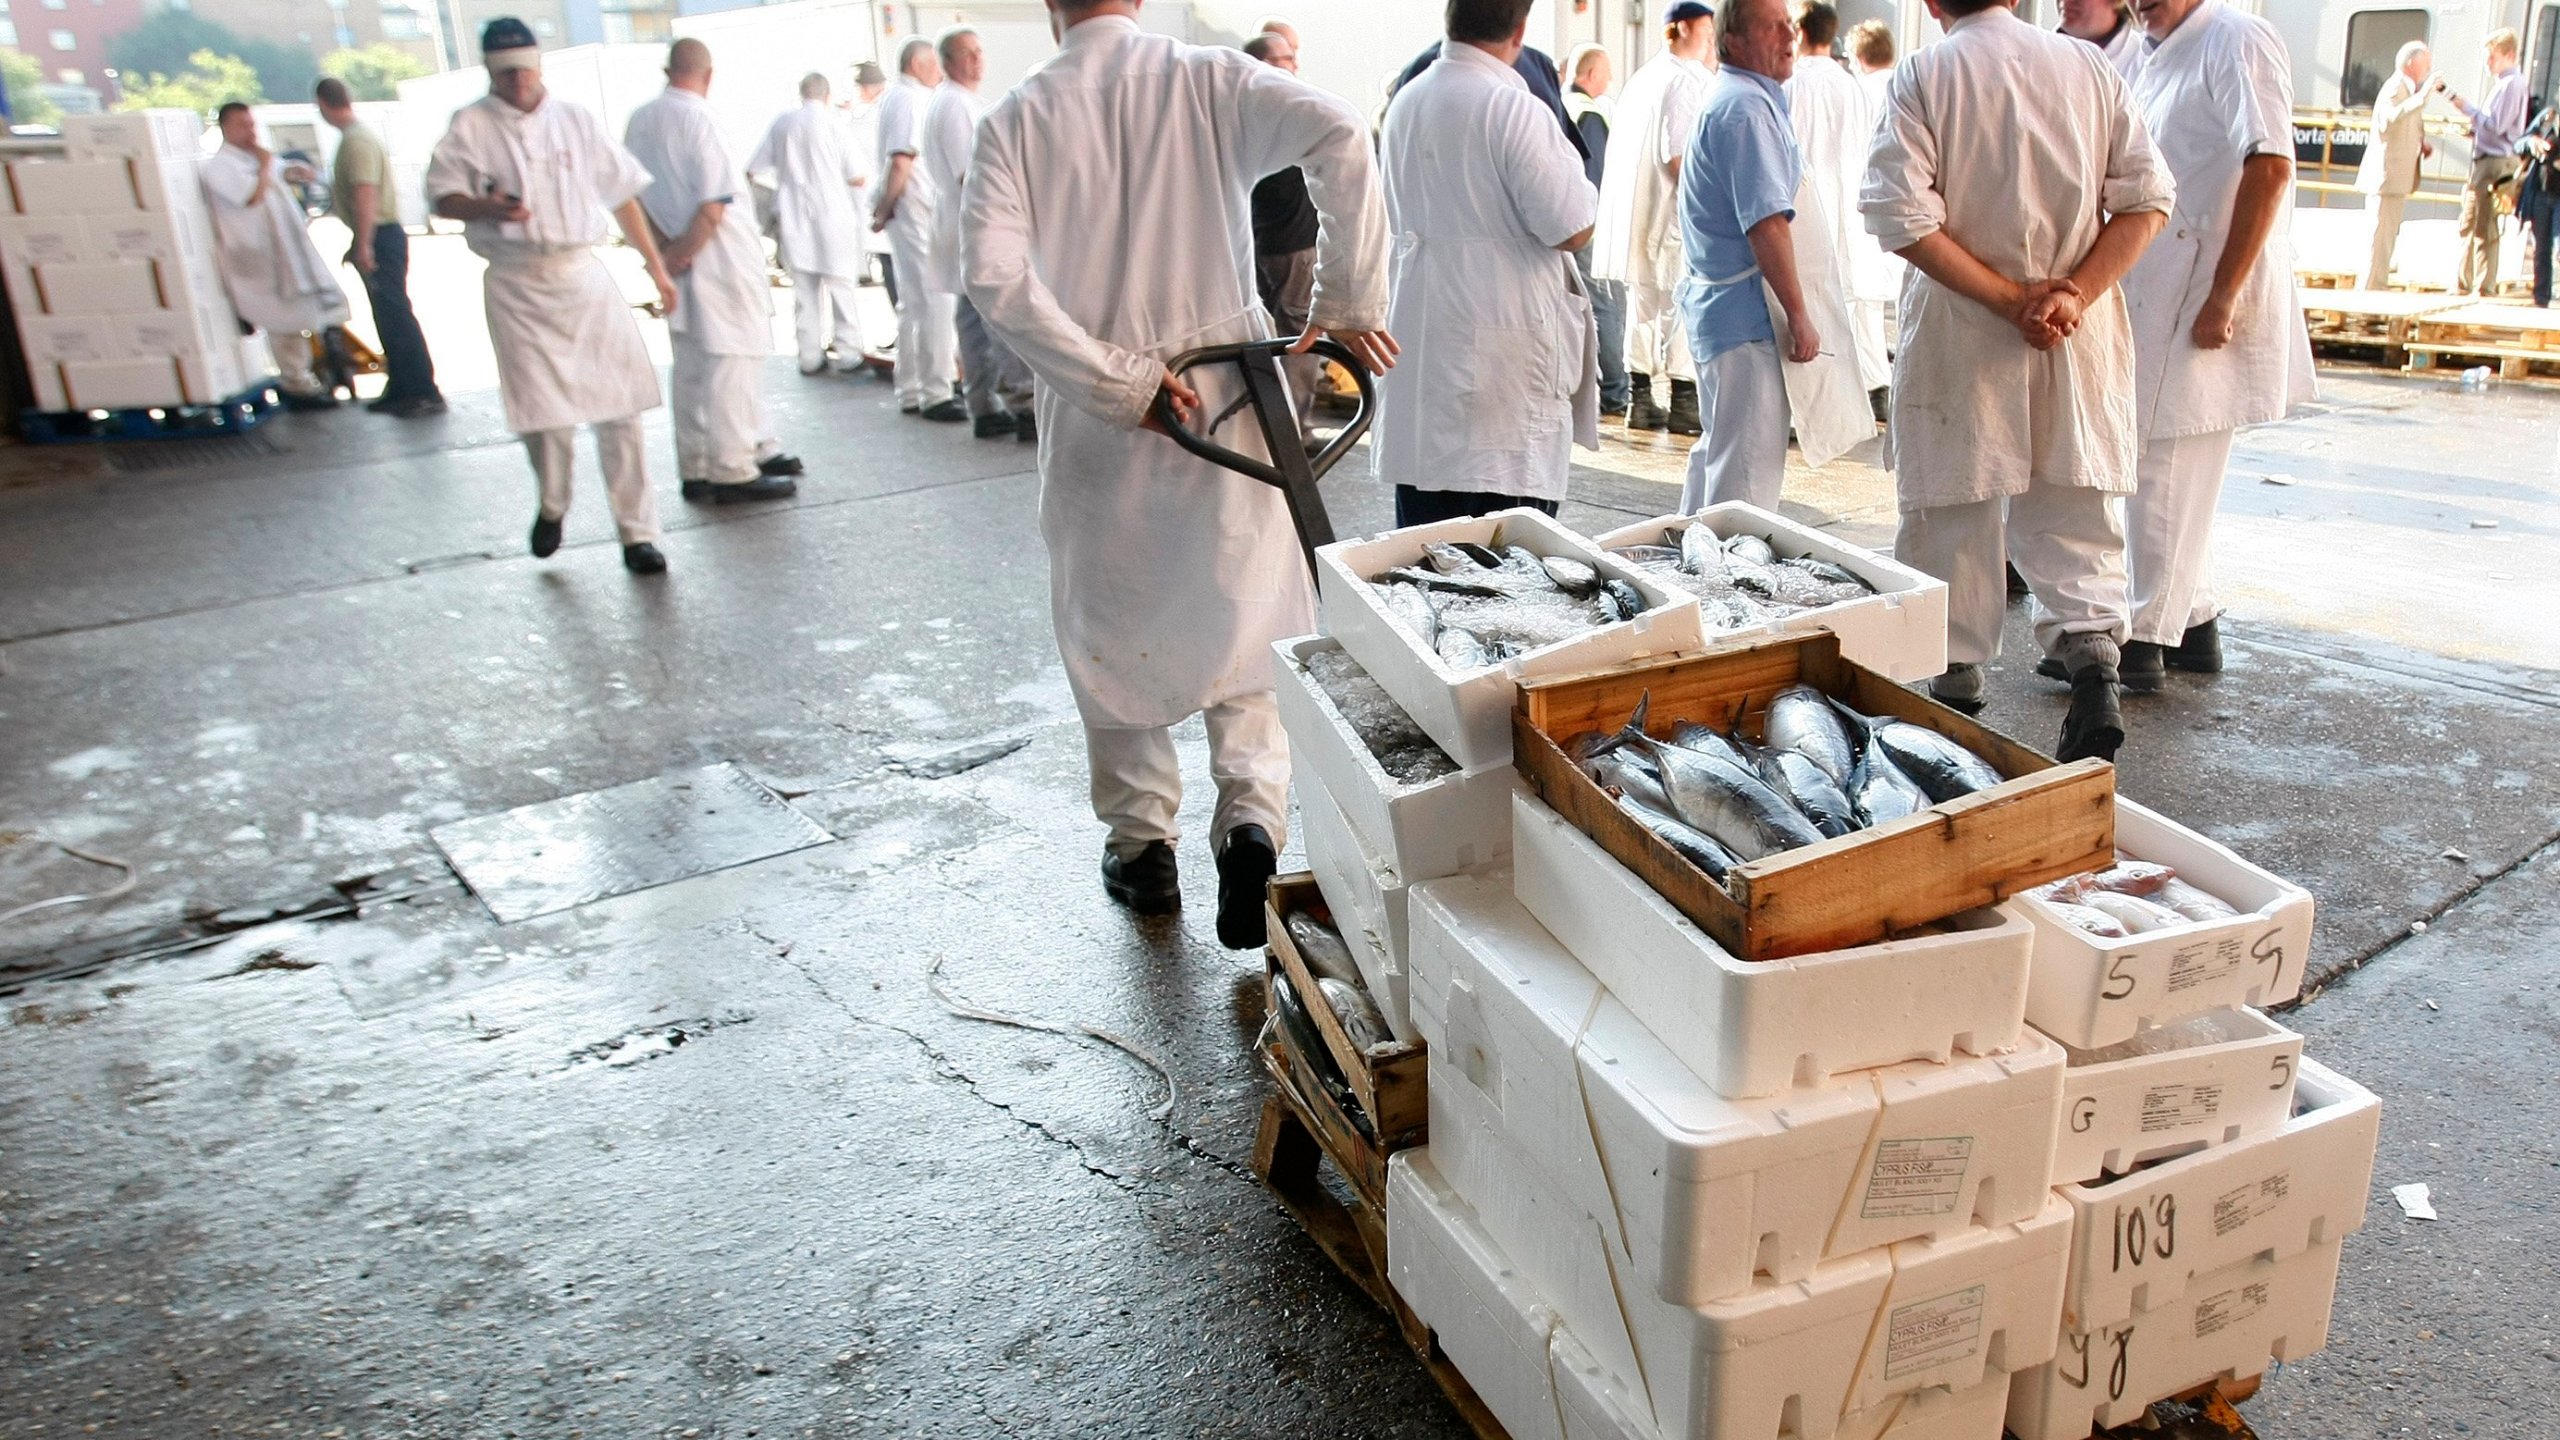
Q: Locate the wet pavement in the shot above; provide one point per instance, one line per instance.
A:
(722, 1157)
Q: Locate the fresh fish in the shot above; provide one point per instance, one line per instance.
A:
(1449, 559)
(1751, 549)
(1322, 947)
(2132, 877)
(1478, 553)
(1307, 1043)
(1461, 649)
(1942, 767)
(1362, 1025)
(1882, 792)
(2137, 915)
(2096, 922)
(1648, 554)
(1445, 584)
(1700, 551)
(1631, 776)
(1620, 600)
(1690, 735)
(1527, 563)
(1813, 791)
(1825, 571)
(1728, 802)
(1411, 606)
(2193, 903)
(1571, 576)
(1802, 719)
(1693, 845)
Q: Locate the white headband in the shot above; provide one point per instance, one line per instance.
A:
(523, 57)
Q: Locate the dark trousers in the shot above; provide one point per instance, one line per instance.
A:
(404, 346)
(1609, 315)
(1425, 507)
(2541, 211)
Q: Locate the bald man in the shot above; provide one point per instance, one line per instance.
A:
(928, 335)
(722, 328)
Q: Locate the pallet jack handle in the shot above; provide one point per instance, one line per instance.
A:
(1291, 470)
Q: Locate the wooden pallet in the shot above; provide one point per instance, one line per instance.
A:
(2204, 1413)
(2518, 337)
(2383, 320)
(238, 415)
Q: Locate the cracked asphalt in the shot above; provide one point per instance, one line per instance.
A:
(729, 1157)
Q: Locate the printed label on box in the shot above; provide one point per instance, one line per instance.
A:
(1917, 1177)
(2220, 1312)
(2237, 1208)
(2204, 963)
(2175, 1107)
(1933, 1332)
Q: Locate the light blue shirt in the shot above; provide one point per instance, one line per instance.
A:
(1742, 166)
(2496, 126)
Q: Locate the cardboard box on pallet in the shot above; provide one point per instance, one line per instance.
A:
(2207, 1080)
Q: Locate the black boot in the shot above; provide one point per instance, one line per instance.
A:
(2094, 726)
(1684, 409)
(2199, 651)
(1642, 413)
(1147, 882)
(1245, 866)
(2144, 668)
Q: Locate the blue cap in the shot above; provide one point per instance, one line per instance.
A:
(1685, 10)
(506, 33)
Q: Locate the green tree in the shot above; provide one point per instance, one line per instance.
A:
(166, 43)
(374, 72)
(27, 104)
(209, 82)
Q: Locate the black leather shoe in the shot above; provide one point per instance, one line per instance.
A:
(995, 425)
(1683, 419)
(2144, 668)
(1642, 413)
(1147, 882)
(314, 400)
(2094, 726)
(696, 491)
(2018, 589)
(763, 487)
(1026, 428)
(644, 559)
(947, 412)
(546, 537)
(781, 465)
(2199, 651)
(1245, 867)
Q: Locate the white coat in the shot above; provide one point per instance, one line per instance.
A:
(1108, 226)
(1835, 119)
(815, 180)
(901, 122)
(724, 303)
(1638, 237)
(2015, 142)
(2125, 48)
(1875, 274)
(2217, 91)
(277, 280)
(944, 143)
(1498, 377)
(862, 143)
(569, 352)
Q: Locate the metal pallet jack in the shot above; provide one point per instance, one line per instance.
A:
(1291, 470)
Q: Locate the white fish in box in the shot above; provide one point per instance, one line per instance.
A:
(2141, 1241)
(1469, 712)
(2229, 1325)
(2210, 1079)
(1368, 904)
(1759, 1027)
(2090, 991)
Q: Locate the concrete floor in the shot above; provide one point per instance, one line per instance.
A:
(716, 1159)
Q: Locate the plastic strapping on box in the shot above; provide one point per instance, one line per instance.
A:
(1866, 1167)
(1613, 1239)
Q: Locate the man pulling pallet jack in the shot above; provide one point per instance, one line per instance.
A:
(1169, 578)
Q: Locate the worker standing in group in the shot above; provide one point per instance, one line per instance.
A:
(2011, 432)
(1169, 577)
(1586, 100)
(2496, 124)
(1484, 198)
(928, 336)
(277, 280)
(861, 119)
(997, 384)
(532, 179)
(1637, 239)
(363, 199)
(1875, 274)
(722, 328)
(1835, 118)
(2109, 25)
(815, 180)
(2218, 333)
(2395, 149)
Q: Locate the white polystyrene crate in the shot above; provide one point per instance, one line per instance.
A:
(2088, 991)
(127, 384)
(60, 187)
(1853, 1334)
(2191, 1084)
(2143, 1240)
(110, 288)
(1709, 1191)
(1432, 958)
(1469, 712)
(1900, 630)
(133, 135)
(1751, 1028)
(27, 240)
(2228, 1326)
(1448, 826)
(1487, 1318)
(1368, 906)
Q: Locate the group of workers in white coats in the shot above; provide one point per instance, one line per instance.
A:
(928, 354)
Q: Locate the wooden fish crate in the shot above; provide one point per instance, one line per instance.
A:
(2046, 821)
(1387, 1084)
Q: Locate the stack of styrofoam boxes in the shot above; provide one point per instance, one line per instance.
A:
(111, 269)
(2210, 1168)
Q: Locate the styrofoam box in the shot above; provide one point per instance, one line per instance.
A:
(1853, 1334)
(133, 135)
(114, 288)
(66, 339)
(44, 239)
(1707, 1191)
(2088, 991)
(171, 235)
(2191, 1084)
(125, 384)
(2229, 1325)
(59, 187)
(1487, 1317)
(1900, 630)
(2143, 1239)
(1760, 1027)
(1599, 1406)
(200, 329)
(1469, 713)
(1368, 907)
(1447, 826)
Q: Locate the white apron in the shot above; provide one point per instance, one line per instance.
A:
(1827, 396)
(815, 176)
(569, 352)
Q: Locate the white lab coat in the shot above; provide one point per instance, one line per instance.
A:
(944, 142)
(2217, 91)
(1499, 373)
(1835, 119)
(1874, 272)
(2124, 50)
(277, 280)
(815, 180)
(1638, 235)
(862, 143)
(724, 304)
(1108, 227)
(901, 132)
(569, 352)
(2016, 142)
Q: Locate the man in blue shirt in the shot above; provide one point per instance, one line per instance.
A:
(1737, 201)
(2496, 125)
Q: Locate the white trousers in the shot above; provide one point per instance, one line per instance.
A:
(928, 337)
(2387, 213)
(292, 350)
(1741, 453)
(2169, 534)
(2067, 540)
(1875, 353)
(1137, 778)
(822, 310)
(719, 413)
(1657, 342)
(626, 474)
